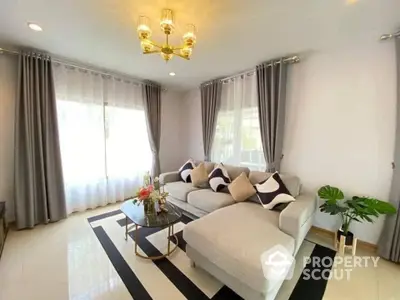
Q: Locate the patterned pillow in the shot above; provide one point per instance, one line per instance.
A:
(273, 191)
(186, 170)
(218, 178)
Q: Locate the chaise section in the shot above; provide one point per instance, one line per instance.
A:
(179, 189)
(229, 238)
(208, 200)
(233, 239)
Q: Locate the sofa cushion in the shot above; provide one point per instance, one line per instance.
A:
(199, 176)
(292, 182)
(179, 189)
(186, 170)
(209, 165)
(241, 188)
(233, 238)
(218, 178)
(208, 200)
(273, 191)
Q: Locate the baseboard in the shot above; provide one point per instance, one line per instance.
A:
(331, 234)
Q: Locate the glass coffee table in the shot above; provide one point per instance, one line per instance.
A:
(136, 214)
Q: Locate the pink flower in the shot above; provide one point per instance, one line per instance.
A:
(143, 194)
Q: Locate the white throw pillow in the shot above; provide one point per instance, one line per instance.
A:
(186, 170)
(273, 191)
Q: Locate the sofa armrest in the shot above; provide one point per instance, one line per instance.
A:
(169, 177)
(296, 219)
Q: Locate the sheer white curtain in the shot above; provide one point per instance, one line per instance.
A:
(127, 143)
(237, 138)
(100, 119)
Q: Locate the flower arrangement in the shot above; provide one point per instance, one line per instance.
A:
(150, 194)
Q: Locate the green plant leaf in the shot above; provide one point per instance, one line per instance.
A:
(332, 208)
(360, 209)
(364, 208)
(330, 193)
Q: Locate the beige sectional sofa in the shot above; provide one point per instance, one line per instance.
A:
(228, 238)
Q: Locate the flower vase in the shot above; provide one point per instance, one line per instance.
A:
(149, 208)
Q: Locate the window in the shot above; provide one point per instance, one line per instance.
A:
(104, 145)
(237, 138)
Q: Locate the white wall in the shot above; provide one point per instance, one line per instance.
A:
(8, 84)
(340, 124)
(192, 125)
(172, 146)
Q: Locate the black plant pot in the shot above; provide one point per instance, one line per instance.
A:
(349, 237)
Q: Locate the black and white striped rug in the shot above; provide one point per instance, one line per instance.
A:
(173, 278)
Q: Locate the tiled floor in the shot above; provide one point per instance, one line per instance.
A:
(66, 261)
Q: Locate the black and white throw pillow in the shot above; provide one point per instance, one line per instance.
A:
(218, 178)
(273, 192)
(186, 170)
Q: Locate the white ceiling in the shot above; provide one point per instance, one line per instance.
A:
(233, 35)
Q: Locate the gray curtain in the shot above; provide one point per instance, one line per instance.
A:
(152, 108)
(271, 91)
(389, 244)
(39, 185)
(210, 103)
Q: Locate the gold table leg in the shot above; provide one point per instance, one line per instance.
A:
(169, 251)
(136, 238)
(126, 228)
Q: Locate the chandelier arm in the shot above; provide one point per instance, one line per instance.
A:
(180, 55)
(155, 44)
(177, 48)
(152, 51)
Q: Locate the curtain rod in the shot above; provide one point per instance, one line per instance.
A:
(389, 36)
(287, 60)
(91, 69)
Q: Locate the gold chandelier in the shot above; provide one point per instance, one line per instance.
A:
(166, 50)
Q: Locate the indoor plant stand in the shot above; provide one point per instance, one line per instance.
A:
(341, 244)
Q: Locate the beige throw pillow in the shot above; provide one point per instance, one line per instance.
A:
(241, 188)
(199, 175)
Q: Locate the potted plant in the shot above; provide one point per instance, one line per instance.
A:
(359, 209)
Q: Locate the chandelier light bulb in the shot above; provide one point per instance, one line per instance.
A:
(143, 28)
(146, 45)
(189, 37)
(167, 21)
(186, 51)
